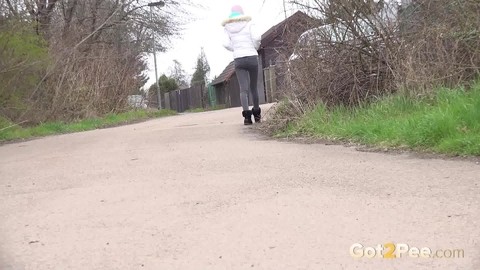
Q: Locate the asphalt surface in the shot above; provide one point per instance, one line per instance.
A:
(202, 191)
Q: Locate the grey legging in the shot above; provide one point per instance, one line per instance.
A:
(246, 69)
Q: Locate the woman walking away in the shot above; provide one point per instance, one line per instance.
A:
(244, 44)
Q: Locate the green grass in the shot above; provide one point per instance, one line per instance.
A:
(197, 110)
(218, 107)
(9, 132)
(447, 123)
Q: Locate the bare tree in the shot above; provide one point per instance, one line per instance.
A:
(11, 8)
(96, 52)
(178, 73)
(41, 11)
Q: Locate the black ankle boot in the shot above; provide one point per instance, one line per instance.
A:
(257, 114)
(248, 117)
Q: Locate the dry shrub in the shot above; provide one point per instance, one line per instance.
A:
(367, 49)
(440, 44)
(91, 58)
(280, 115)
(95, 62)
(89, 84)
(347, 60)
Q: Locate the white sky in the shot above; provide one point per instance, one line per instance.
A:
(206, 31)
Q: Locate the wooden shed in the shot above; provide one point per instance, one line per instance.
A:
(226, 87)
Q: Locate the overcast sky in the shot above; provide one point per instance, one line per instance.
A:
(206, 31)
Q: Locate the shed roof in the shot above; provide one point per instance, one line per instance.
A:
(226, 74)
(280, 28)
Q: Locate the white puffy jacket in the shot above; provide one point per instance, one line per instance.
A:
(241, 37)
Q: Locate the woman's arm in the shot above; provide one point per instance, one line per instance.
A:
(255, 36)
(227, 42)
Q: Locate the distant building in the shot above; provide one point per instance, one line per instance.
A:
(227, 89)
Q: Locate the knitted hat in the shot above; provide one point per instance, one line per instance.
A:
(236, 12)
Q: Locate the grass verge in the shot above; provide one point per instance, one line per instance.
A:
(9, 132)
(447, 123)
(198, 110)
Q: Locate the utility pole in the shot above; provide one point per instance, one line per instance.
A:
(159, 97)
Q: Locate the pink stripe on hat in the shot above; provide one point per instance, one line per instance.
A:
(237, 9)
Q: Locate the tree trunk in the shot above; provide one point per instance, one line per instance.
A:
(42, 13)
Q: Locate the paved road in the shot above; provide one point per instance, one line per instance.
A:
(201, 191)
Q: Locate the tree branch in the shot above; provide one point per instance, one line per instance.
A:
(14, 12)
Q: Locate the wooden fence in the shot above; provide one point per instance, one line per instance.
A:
(270, 76)
(186, 99)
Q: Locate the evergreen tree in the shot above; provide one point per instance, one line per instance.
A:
(202, 70)
(167, 84)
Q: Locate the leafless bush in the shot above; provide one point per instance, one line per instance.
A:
(440, 44)
(367, 49)
(96, 54)
(348, 59)
(84, 85)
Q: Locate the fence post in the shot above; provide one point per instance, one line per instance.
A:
(268, 87)
(260, 82)
(273, 81)
(167, 101)
(212, 96)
